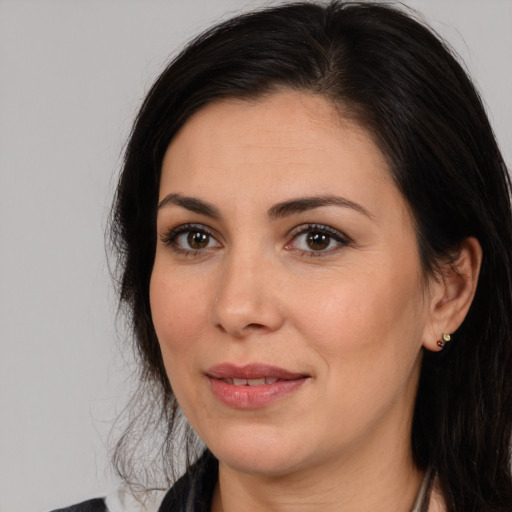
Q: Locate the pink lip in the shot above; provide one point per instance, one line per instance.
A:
(252, 397)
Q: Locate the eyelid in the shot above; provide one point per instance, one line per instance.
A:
(341, 238)
(170, 236)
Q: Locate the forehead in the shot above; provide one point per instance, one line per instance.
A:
(286, 143)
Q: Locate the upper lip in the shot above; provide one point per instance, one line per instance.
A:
(251, 371)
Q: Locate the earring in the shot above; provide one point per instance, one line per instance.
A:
(445, 338)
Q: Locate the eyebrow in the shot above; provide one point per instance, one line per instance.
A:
(278, 211)
(304, 204)
(191, 203)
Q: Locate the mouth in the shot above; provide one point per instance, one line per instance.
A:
(249, 382)
(252, 386)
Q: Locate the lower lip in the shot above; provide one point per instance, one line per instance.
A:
(253, 397)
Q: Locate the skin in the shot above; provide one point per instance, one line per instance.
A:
(352, 316)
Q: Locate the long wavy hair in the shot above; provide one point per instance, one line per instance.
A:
(396, 78)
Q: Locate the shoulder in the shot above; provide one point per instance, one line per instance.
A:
(192, 492)
(95, 505)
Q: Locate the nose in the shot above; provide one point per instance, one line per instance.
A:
(247, 299)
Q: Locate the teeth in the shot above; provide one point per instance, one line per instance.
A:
(250, 382)
(256, 382)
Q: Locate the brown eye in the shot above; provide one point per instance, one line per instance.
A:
(198, 240)
(191, 240)
(317, 241)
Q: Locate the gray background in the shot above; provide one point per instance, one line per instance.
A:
(72, 74)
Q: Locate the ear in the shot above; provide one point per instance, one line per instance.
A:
(452, 292)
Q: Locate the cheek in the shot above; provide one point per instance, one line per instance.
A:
(369, 319)
(369, 343)
(179, 311)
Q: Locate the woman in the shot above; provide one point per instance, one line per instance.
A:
(314, 230)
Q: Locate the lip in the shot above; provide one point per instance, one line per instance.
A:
(283, 382)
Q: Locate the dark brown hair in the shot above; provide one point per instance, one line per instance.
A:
(397, 79)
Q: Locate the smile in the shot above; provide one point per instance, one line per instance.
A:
(250, 382)
(252, 386)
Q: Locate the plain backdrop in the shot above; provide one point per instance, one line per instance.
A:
(72, 75)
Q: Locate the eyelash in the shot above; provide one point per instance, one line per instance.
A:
(171, 237)
(333, 234)
(341, 239)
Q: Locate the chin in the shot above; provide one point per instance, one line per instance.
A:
(268, 465)
(260, 452)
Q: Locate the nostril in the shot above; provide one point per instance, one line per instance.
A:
(255, 326)
(221, 327)
(239, 331)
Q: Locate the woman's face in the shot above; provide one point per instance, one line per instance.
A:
(287, 292)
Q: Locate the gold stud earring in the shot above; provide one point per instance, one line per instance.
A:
(445, 338)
